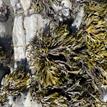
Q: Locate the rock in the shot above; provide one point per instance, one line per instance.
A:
(4, 70)
(4, 12)
(2, 30)
(22, 100)
(26, 5)
(62, 11)
(19, 39)
(30, 103)
(78, 20)
(103, 93)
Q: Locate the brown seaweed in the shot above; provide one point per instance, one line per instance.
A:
(70, 69)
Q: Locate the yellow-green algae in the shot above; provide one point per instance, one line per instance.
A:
(69, 69)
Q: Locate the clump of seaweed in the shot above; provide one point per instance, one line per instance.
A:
(16, 82)
(70, 69)
(47, 54)
(73, 67)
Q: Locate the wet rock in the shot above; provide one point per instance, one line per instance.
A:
(4, 12)
(78, 20)
(4, 70)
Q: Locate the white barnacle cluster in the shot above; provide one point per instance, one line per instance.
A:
(62, 9)
(22, 100)
(69, 9)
